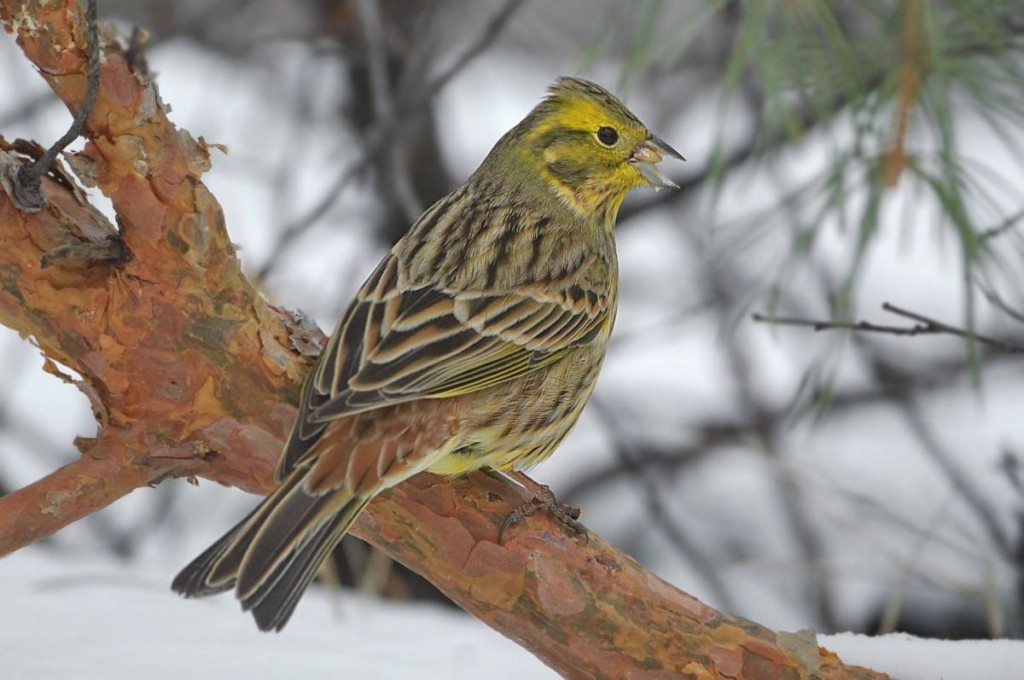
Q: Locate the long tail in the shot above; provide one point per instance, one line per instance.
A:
(272, 555)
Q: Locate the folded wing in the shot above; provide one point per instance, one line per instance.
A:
(395, 345)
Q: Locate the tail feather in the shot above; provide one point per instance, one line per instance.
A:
(272, 555)
(295, 519)
(305, 434)
(273, 602)
(194, 580)
(215, 570)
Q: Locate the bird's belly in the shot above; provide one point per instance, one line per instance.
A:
(520, 423)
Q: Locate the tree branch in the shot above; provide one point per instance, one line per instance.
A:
(104, 473)
(190, 372)
(924, 326)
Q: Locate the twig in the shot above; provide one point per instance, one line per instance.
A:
(1003, 227)
(28, 188)
(925, 326)
(382, 135)
(895, 160)
(836, 326)
(825, 325)
(951, 330)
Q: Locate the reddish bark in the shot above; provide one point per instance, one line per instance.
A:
(190, 372)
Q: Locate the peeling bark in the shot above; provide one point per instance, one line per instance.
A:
(191, 373)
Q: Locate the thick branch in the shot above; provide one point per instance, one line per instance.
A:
(586, 609)
(190, 372)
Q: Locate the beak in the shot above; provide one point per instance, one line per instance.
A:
(646, 157)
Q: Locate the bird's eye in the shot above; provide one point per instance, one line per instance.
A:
(607, 135)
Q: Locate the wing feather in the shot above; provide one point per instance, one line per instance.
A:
(398, 343)
(444, 356)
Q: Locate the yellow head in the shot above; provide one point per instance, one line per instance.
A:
(588, 147)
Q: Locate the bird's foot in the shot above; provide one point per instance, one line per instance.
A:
(543, 499)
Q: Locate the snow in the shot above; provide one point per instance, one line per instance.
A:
(905, 657)
(67, 616)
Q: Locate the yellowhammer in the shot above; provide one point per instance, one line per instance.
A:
(474, 344)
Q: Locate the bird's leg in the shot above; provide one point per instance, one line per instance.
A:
(542, 499)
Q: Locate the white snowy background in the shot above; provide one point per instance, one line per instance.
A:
(890, 530)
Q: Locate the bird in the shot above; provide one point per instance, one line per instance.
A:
(474, 344)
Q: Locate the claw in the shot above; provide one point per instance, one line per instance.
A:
(544, 499)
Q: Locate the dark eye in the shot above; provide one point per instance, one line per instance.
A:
(607, 135)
